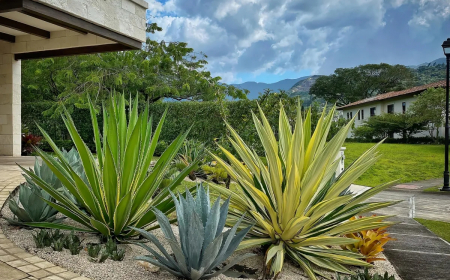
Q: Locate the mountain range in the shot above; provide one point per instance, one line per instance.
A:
(301, 86)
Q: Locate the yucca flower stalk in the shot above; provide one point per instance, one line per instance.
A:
(119, 191)
(299, 206)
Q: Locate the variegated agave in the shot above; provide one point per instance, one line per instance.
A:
(299, 206)
(204, 245)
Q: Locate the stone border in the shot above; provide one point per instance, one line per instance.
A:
(26, 265)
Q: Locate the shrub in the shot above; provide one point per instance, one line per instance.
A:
(118, 190)
(28, 142)
(369, 242)
(203, 246)
(298, 205)
(93, 250)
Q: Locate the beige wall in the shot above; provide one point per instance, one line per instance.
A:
(123, 16)
(10, 102)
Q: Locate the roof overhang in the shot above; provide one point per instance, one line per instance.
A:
(22, 17)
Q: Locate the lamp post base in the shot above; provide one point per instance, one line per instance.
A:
(446, 187)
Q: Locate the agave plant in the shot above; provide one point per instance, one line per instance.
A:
(118, 190)
(29, 206)
(369, 242)
(204, 245)
(299, 206)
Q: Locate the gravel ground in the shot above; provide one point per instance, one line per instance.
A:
(130, 269)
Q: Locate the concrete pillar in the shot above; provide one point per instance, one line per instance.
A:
(10, 102)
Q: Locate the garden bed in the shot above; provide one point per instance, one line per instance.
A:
(129, 268)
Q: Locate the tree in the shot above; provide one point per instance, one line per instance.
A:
(430, 73)
(348, 85)
(160, 70)
(429, 108)
(386, 125)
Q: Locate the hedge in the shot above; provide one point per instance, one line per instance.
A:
(204, 118)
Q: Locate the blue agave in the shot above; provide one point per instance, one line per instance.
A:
(204, 245)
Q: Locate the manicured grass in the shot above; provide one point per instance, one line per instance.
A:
(404, 162)
(441, 229)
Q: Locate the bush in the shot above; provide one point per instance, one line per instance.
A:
(204, 117)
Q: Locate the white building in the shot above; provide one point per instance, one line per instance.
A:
(391, 102)
(31, 29)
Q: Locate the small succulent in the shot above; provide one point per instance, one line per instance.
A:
(58, 245)
(75, 248)
(42, 239)
(93, 250)
(104, 255)
(110, 246)
(118, 255)
(366, 276)
(203, 245)
(57, 235)
(69, 239)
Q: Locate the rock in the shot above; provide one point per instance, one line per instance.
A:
(148, 266)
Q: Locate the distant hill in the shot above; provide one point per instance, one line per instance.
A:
(432, 63)
(301, 88)
(256, 88)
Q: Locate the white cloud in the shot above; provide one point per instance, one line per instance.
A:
(255, 36)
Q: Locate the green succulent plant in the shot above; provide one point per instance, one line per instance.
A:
(75, 248)
(58, 245)
(203, 245)
(29, 206)
(93, 250)
(117, 255)
(299, 207)
(42, 238)
(365, 275)
(118, 192)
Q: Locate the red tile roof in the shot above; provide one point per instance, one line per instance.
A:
(395, 94)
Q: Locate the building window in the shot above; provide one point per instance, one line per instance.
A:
(348, 115)
(362, 114)
(351, 115)
(390, 109)
(404, 107)
(359, 115)
(372, 111)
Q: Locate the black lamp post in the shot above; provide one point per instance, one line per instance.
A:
(446, 47)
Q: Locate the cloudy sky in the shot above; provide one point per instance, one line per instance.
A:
(270, 40)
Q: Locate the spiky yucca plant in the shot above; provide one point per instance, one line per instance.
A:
(299, 207)
(203, 245)
(118, 191)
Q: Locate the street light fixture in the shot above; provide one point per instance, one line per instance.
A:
(446, 47)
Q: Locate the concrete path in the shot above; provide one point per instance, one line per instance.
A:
(16, 263)
(431, 206)
(417, 254)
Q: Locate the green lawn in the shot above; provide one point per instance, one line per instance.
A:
(399, 161)
(441, 229)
